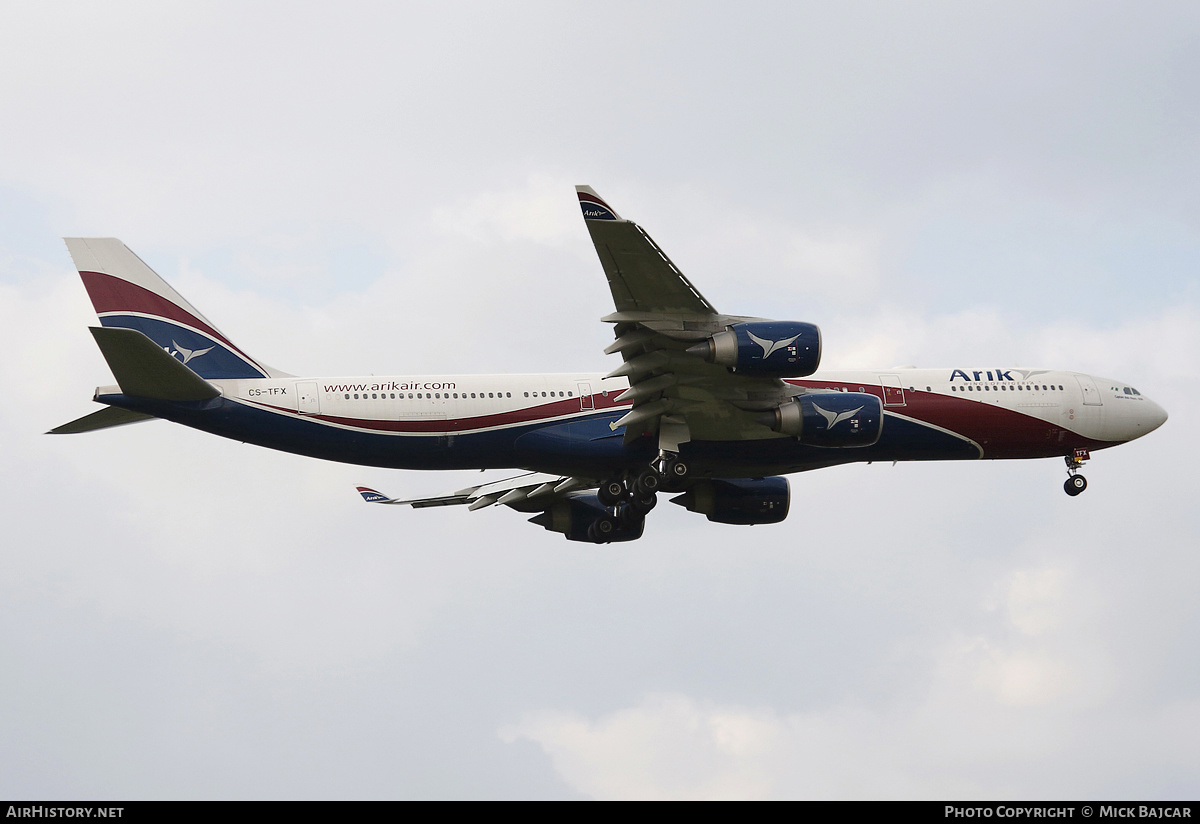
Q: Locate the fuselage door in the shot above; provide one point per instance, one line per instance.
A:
(307, 398)
(893, 392)
(1091, 395)
(585, 396)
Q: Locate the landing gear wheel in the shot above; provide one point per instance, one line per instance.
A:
(675, 473)
(602, 529)
(611, 492)
(1075, 484)
(642, 504)
(647, 483)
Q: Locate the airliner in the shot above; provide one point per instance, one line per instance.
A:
(716, 409)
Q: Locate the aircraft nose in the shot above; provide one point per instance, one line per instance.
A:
(1150, 416)
(1155, 416)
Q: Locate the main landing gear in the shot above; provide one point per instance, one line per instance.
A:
(1075, 483)
(630, 497)
(671, 470)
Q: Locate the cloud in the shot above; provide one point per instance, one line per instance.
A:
(994, 712)
(535, 212)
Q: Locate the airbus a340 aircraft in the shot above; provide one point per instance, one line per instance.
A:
(715, 407)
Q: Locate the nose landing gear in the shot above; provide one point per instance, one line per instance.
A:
(1075, 483)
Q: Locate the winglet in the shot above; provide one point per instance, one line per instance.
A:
(372, 497)
(593, 206)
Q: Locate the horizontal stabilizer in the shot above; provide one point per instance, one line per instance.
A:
(106, 417)
(144, 370)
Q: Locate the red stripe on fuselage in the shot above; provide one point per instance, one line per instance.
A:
(561, 410)
(1002, 432)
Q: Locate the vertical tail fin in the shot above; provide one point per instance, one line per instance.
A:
(127, 293)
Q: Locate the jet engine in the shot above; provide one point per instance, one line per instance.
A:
(774, 349)
(740, 501)
(831, 419)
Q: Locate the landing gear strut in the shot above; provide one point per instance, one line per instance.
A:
(1075, 483)
(629, 498)
(672, 471)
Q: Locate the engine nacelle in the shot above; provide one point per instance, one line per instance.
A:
(773, 348)
(573, 516)
(740, 501)
(832, 419)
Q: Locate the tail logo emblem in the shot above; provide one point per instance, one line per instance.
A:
(187, 354)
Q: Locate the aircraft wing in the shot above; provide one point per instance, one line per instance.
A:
(659, 314)
(640, 275)
(531, 492)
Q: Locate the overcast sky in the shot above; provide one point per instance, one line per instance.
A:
(387, 188)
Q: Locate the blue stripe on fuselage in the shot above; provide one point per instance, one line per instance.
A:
(586, 447)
